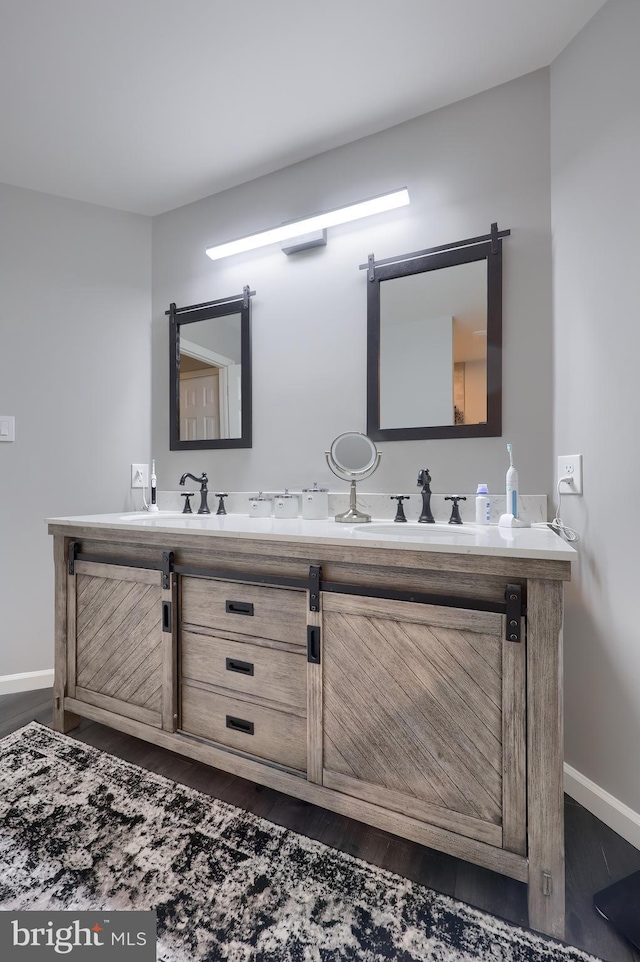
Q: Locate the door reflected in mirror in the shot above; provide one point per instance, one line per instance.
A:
(433, 347)
(210, 389)
(211, 380)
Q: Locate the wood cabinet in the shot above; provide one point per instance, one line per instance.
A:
(424, 714)
(118, 656)
(414, 690)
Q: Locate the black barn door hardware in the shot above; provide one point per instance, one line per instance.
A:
(513, 598)
(74, 550)
(315, 576)
(493, 238)
(167, 568)
(512, 605)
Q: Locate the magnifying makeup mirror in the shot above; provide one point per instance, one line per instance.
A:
(353, 457)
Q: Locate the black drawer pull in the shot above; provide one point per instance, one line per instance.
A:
(166, 616)
(241, 667)
(239, 608)
(313, 644)
(240, 725)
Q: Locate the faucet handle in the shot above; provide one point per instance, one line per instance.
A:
(221, 507)
(187, 503)
(424, 478)
(455, 511)
(400, 516)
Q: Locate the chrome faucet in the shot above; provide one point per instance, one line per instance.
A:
(203, 482)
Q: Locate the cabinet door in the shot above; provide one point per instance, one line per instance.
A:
(423, 714)
(122, 650)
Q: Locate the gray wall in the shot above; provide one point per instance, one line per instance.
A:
(75, 371)
(477, 161)
(595, 140)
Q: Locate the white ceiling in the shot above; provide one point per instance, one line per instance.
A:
(145, 105)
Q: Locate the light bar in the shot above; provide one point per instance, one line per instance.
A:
(364, 208)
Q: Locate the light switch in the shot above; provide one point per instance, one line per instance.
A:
(7, 428)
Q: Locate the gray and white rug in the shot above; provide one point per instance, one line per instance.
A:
(80, 829)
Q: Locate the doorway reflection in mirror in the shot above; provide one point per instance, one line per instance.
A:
(210, 374)
(210, 379)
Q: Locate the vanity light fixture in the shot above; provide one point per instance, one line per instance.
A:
(316, 222)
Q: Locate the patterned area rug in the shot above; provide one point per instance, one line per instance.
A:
(80, 829)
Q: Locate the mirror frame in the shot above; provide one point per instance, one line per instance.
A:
(180, 317)
(432, 262)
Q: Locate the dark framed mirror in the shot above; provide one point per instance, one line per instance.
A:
(434, 344)
(210, 374)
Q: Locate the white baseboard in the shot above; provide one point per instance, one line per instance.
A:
(26, 681)
(604, 806)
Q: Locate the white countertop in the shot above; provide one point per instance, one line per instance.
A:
(453, 539)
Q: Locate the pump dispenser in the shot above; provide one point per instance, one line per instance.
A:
(483, 505)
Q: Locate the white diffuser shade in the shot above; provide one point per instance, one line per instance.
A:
(364, 208)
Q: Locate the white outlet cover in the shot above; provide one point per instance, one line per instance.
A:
(570, 465)
(136, 471)
(7, 427)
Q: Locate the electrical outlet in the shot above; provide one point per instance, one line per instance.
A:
(139, 475)
(7, 427)
(570, 466)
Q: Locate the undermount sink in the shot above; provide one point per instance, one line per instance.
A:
(415, 530)
(136, 516)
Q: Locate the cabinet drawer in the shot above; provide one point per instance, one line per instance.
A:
(269, 673)
(275, 613)
(273, 735)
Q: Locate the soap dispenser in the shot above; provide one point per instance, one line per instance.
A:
(483, 505)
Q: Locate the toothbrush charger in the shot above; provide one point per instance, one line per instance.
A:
(509, 521)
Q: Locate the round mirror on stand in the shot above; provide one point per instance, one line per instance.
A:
(353, 457)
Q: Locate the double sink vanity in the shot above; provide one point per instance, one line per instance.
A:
(409, 676)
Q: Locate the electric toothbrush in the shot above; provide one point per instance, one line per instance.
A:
(153, 506)
(511, 517)
(512, 485)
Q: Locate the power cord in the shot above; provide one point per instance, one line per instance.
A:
(558, 525)
(139, 477)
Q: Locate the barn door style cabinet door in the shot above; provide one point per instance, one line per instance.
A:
(424, 714)
(121, 649)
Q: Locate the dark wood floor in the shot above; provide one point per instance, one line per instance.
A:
(595, 855)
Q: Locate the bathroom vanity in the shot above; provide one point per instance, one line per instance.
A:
(411, 679)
